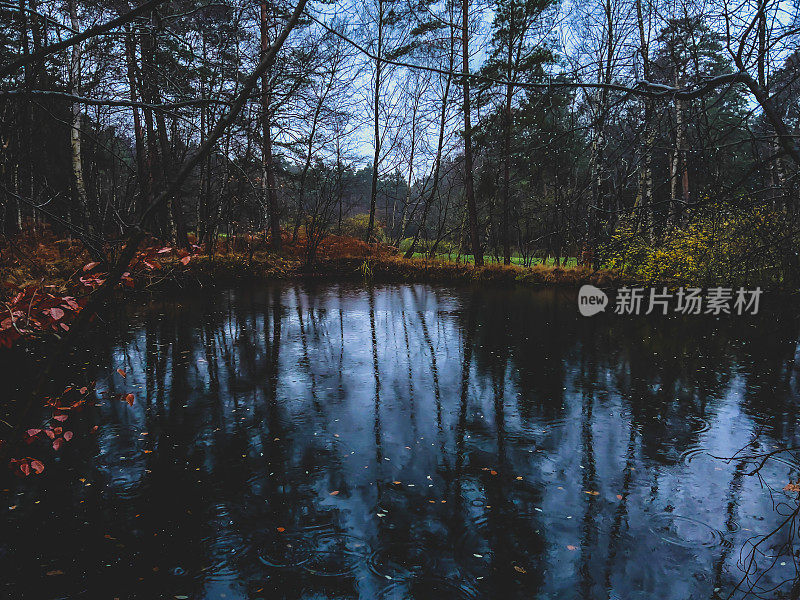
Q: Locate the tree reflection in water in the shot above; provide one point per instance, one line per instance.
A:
(409, 442)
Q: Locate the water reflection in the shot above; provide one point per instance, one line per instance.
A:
(411, 442)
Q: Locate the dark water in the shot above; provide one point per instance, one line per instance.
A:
(411, 442)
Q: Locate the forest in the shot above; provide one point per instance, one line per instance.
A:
(626, 134)
(288, 299)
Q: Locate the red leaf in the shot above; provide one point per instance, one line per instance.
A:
(33, 432)
(57, 430)
(90, 266)
(64, 326)
(50, 433)
(129, 399)
(25, 468)
(83, 390)
(60, 418)
(121, 372)
(185, 260)
(37, 466)
(56, 313)
(67, 436)
(165, 250)
(57, 443)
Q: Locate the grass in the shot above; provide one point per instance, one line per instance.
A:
(515, 260)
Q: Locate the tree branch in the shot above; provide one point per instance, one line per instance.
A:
(77, 39)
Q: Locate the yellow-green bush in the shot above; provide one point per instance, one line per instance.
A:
(357, 225)
(722, 244)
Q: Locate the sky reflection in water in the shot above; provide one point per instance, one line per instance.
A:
(336, 441)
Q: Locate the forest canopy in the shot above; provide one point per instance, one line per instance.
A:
(631, 134)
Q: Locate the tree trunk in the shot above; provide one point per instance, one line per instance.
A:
(267, 163)
(373, 196)
(81, 197)
(469, 190)
(143, 168)
(644, 198)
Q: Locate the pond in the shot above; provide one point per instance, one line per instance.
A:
(339, 441)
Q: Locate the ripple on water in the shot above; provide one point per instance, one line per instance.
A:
(428, 588)
(283, 551)
(398, 561)
(516, 542)
(336, 554)
(690, 454)
(699, 424)
(226, 548)
(686, 532)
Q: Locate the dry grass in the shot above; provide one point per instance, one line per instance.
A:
(44, 259)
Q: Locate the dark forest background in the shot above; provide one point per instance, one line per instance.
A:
(660, 137)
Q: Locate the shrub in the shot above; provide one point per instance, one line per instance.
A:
(357, 225)
(721, 244)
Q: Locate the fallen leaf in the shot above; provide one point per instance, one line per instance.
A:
(67, 436)
(122, 373)
(619, 496)
(185, 260)
(335, 493)
(570, 547)
(55, 572)
(519, 569)
(492, 472)
(60, 418)
(792, 487)
(281, 529)
(37, 466)
(90, 266)
(130, 399)
(592, 493)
